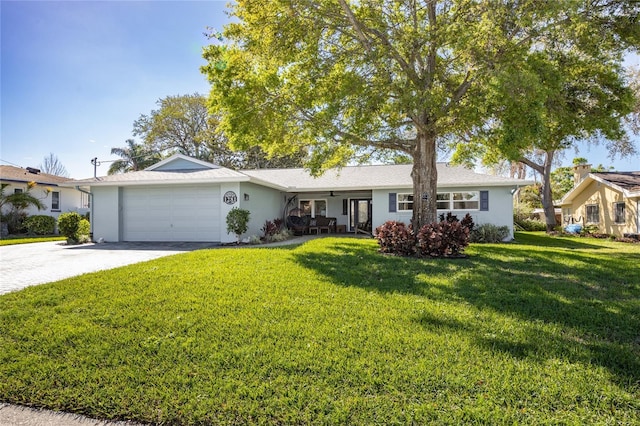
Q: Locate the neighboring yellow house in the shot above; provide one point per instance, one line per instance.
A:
(609, 200)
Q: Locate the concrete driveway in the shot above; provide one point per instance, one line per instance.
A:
(23, 265)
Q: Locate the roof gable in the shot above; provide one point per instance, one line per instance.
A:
(182, 162)
(627, 183)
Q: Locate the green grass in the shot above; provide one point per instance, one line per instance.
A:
(545, 330)
(12, 240)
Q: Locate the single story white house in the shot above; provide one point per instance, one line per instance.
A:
(49, 190)
(185, 199)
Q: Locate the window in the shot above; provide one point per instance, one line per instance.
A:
(55, 200)
(313, 208)
(405, 202)
(443, 201)
(17, 191)
(618, 213)
(85, 201)
(593, 213)
(458, 200)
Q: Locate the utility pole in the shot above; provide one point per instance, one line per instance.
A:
(95, 163)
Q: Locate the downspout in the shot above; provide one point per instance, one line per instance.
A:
(90, 194)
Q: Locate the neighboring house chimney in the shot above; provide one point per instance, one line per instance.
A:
(580, 172)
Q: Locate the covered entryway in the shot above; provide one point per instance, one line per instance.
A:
(171, 213)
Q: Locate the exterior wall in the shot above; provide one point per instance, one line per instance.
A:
(604, 196)
(263, 203)
(500, 211)
(106, 213)
(225, 208)
(71, 199)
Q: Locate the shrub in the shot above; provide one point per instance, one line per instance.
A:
(270, 229)
(283, 235)
(40, 225)
(238, 221)
(68, 224)
(489, 233)
(442, 239)
(14, 221)
(530, 224)
(396, 237)
(467, 220)
(84, 229)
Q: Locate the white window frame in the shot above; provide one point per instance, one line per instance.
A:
(453, 198)
(588, 215)
(615, 213)
(312, 202)
(404, 202)
(56, 208)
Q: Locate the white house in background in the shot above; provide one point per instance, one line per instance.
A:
(49, 190)
(185, 199)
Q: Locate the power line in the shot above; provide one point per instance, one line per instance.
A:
(13, 164)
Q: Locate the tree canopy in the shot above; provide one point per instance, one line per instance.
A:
(345, 77)
(133, 157)
(183, 124)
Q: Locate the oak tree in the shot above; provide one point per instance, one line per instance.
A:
(343, 77)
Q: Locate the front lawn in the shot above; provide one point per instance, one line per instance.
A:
(546, 330)
(20, 239)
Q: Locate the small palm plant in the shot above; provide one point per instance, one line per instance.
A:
(17, 203)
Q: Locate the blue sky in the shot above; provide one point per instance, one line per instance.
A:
(75, 75)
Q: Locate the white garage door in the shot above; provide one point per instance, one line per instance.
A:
(171, 213)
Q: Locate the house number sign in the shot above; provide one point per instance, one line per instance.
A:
(230, 197)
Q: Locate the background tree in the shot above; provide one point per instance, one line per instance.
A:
(134, 157)
(51, 165)
(570, 90)
(183, 124)
(343, 76)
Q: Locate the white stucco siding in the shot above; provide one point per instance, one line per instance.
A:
(263, 203)
(70, 199)
(106, 211)
(500, 210)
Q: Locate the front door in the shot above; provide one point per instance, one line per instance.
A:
(360, 214)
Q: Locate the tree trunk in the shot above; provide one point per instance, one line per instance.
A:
(425, 181)
(546, 194)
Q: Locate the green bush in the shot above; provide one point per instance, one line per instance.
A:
(68, 224)
(74, 227)
(530, 224)
(238, 221)
(84, 229)
(489, 233)
(40, 224)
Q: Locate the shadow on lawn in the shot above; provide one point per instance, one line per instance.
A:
(594, 301)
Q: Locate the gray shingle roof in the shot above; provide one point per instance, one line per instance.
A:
(373, 177)
(299, 180)
(146, 177)
(18, 174)
(629, 181)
